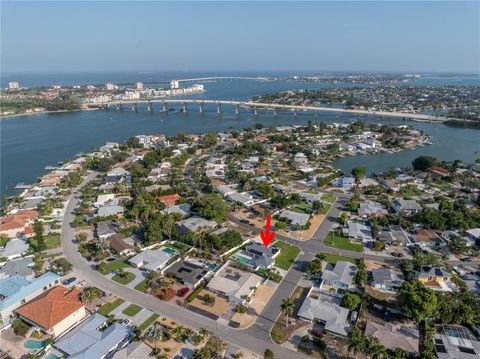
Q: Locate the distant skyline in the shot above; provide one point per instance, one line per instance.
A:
(240, 36)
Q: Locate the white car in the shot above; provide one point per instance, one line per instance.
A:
(126, 322)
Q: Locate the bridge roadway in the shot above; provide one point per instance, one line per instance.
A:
(274, 106)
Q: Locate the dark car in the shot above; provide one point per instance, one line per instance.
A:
(69, 281)
(111, 259)
(244, 221)
(317, 333)
(182, 292)
(397, 254)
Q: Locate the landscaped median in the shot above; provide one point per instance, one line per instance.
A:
(337, 241)
(109, 307)
(132, 310)
(123, 277)
(287, 255)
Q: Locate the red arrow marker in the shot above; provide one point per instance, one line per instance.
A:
(267, 236)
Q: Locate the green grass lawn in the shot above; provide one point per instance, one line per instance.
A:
(328, 197)
(148, 322)
(142, 285)
(194, 294)
(287, 255)
(333, 259)
(132, 310)
(109, 307)
(51, 241)
(115, 265)
(325, 208)
(336, 241)
(125, 279)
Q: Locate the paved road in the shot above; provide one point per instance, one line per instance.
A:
(240, 338)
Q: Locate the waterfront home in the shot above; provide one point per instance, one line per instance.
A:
(387, 279)
(234, 284)
(195, 224)
(406, 207)
(371, 209)
(455, 342)
(14, 248)
(340, 276)
(190, 272)
(295, 220)
(18, 224)
(367, 182)
(440, 171)
(391, 184)
(325, 309)
(55, 311)
(17, 290)
(359, 232)
(436, 278)
(94, 338)
(393, 336)
(153, 260)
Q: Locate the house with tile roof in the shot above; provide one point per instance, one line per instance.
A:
(17, 290)
(169, 199)
(55, 311)
(18, 224)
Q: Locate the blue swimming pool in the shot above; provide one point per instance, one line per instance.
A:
(51, 356)
(168, 250)
(35, 344)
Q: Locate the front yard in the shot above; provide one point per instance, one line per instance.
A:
(109, 307)
(109, 267)
(132, 310)
(123, 278)
(287, 255)
(333, 259)
(51, 241)
(336, 241)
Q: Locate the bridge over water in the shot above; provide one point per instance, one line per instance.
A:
(255, 107)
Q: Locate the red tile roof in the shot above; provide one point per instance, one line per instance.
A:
(169, 199)
(17, 220)
(50, 308)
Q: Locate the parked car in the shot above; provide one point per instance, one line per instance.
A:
(244, 221)
(69, 281)
(181, 292)
(111, 259)
(397, 254)
(317, 333)
(126, 322)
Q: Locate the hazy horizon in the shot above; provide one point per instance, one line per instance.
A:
(59, 37)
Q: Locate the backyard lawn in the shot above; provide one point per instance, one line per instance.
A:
(287, 255)
(148, 322)
(132, 310)
(123, 278)
(51, 241)
(336, 241)
(333, 259)
(108, 267)
(328, 197)
(107, 308)
(142, 285)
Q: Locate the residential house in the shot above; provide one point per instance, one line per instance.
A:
(22, 267)
(14, 248)
(406, 207)
(106, 229)
(426, 238)
(296, 220)
(391, 184)
(300, 158)
(94, 339)
(160, 172)
(17, 290)
(227, 189)
(340, 276)
(106, 200)
(169, 199)
(18, 224)
(119, 245)
(393, 336)
(117, 175)
(256, 256)
(134, 350)
(190, 272)
(182, 209)
(241, 198)
(345, 183)
(108, 211)
(440, 171)
(455, 342)
(473, 235)
(371, 209)
(436, 278)
(394, 235)
(325, 309)
(310, 197)
(55, 311)
(387, 279)
(153, 259)
(359, 232)
(234, 284)
(195, 224)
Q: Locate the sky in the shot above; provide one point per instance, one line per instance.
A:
(222, 36)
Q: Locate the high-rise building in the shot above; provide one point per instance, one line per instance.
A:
(111, 87)
(13, 85)
(139, 85)
(174, 84)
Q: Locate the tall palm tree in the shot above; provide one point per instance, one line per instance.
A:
(153, 334)
(356, 342)
(322, 257)
(375, 349)
(287, 308)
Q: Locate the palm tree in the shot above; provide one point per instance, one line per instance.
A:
(153, 334)
(90, 294)
(287, 308)
(322, 257)
(203, 331)
(400, 354)
(375, 349)
(356, 342)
